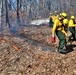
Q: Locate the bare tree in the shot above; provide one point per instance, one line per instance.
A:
(7, 18)
(18, 16)
(0, 10)
(10, 4)
(20, 4)
(34, 9)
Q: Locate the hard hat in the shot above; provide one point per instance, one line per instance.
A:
(65, 21)
(60, 14)
(55, 11)
(72, 17)
(50, 13)
(64, 15)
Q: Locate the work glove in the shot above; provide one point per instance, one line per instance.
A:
(66, 35)
(53, 39)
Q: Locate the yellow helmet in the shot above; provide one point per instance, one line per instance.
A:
(50, 13)
(72, 17)
(55, 11)
(64, 14)
(65, 21)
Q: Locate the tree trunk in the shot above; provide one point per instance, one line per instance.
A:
(18, 17)
(0, 11)
(20, 4)
(7, 18)
(10, 4)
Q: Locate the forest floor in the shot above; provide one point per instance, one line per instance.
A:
(29, 51)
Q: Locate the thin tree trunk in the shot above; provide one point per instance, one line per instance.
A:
(20, 4)
(7, 18)
(18, 16)
(10, 4)
(0, 11)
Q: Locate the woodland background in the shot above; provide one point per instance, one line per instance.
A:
(25, 10)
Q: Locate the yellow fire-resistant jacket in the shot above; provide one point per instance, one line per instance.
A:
(53, 17)
(71, 23)
(58, 26)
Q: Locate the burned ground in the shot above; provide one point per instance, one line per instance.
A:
(30, 52)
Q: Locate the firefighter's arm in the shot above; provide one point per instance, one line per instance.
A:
(72, 25)
(63, 31)
(54, 27)
(65, 35)
(53, 32)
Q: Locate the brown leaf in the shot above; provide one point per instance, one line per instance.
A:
(16, 47)
(2, 40)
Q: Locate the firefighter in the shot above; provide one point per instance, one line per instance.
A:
(55, 16)
(50, 20)
(66, 27)
(60, 32)
(56, 13)
(65, 21)
(72, 28)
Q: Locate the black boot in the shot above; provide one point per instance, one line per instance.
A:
(62, 51)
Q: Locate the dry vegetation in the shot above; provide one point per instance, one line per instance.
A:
(29, 52)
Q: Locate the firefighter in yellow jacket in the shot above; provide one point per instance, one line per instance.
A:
(58, 28)
(52, 18)
(66, 27)
(55, 16)
(72, 27)
(65, 21)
